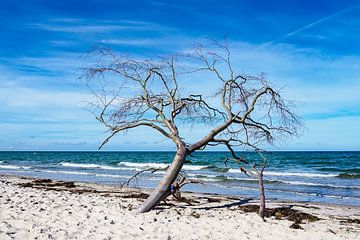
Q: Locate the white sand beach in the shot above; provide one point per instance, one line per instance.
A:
(91, 211)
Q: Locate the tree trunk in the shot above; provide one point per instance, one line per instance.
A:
(163, 188)
(262, 195)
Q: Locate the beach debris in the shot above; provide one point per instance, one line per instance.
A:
(177, 211)
(136, 195)
(45, 183)
(195, 214)
(249, 208)
(295, 226)
(48, 184)
(349, 220)
(42, 181)
(211, 199)
(307, 206)
(280, 213)
(130, 207)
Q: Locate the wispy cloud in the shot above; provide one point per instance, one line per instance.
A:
(132, 42)
(62, 43)
(67, 20)
(310, 25)
(86, 28)
(322, 20)
(336, 114)
(39, 67)
(79, 26)
(73, 143)
(34, 98)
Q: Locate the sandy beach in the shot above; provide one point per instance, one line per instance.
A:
(32, 209)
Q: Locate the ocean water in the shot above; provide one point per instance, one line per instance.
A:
(330, 177)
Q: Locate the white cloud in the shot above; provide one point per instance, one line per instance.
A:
(86, 28)
(77, 26)
(134, 42)
(66, 20)
(19, 97)
(319, 84)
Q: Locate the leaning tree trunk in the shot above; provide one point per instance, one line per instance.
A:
(163, 188)
(262, 195)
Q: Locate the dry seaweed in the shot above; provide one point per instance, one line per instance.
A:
(288, 213)
(136, 195)
(350, 220)
(48, 183)
(210, 200)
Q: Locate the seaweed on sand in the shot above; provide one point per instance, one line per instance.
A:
(288, 213)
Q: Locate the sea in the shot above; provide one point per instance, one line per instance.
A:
(323, 177)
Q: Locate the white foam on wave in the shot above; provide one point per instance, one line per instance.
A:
(80, 165)
(65, 172)
(342, 197)
(317, 184)
(205, 179)
(242, 179)
(217, 178)
(86, 173)
(14, 167)
(299, 174)
(144, 165)
(237, 187)
(160, 166)
(90, 165)
(193, 167)
(205, 175)
(112, 176)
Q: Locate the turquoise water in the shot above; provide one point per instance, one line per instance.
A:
(331, 177)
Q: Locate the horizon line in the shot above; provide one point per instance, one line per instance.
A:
(104, 151)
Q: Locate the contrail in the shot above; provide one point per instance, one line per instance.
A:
(324, 19)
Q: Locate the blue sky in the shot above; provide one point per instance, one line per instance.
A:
(310, 47)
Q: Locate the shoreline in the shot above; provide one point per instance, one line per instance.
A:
(102, 151)
(148, 189)
(59, 210)
(291, 177)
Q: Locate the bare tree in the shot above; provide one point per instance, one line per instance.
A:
(258, 174)
(245, 112)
